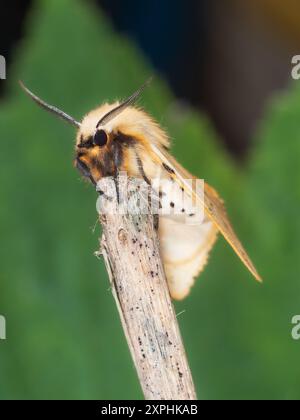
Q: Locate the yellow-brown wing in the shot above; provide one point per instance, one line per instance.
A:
(213, 206)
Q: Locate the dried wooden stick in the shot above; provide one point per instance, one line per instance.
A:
(130, 247)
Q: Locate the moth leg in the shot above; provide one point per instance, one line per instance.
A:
(103, 195)
(141, 169)
(156, 221)
(116, 179)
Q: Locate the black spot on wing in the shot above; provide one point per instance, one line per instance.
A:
(168, 169)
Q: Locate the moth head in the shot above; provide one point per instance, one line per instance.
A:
(95, 135)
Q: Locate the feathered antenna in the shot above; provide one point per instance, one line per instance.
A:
(129, 101)
(50, 108)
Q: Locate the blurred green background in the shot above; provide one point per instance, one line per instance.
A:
(64, 338)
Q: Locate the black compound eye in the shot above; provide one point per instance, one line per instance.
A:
(100, 138)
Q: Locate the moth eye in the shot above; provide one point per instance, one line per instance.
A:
(100, 138)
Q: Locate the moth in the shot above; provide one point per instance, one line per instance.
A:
(122, 137)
